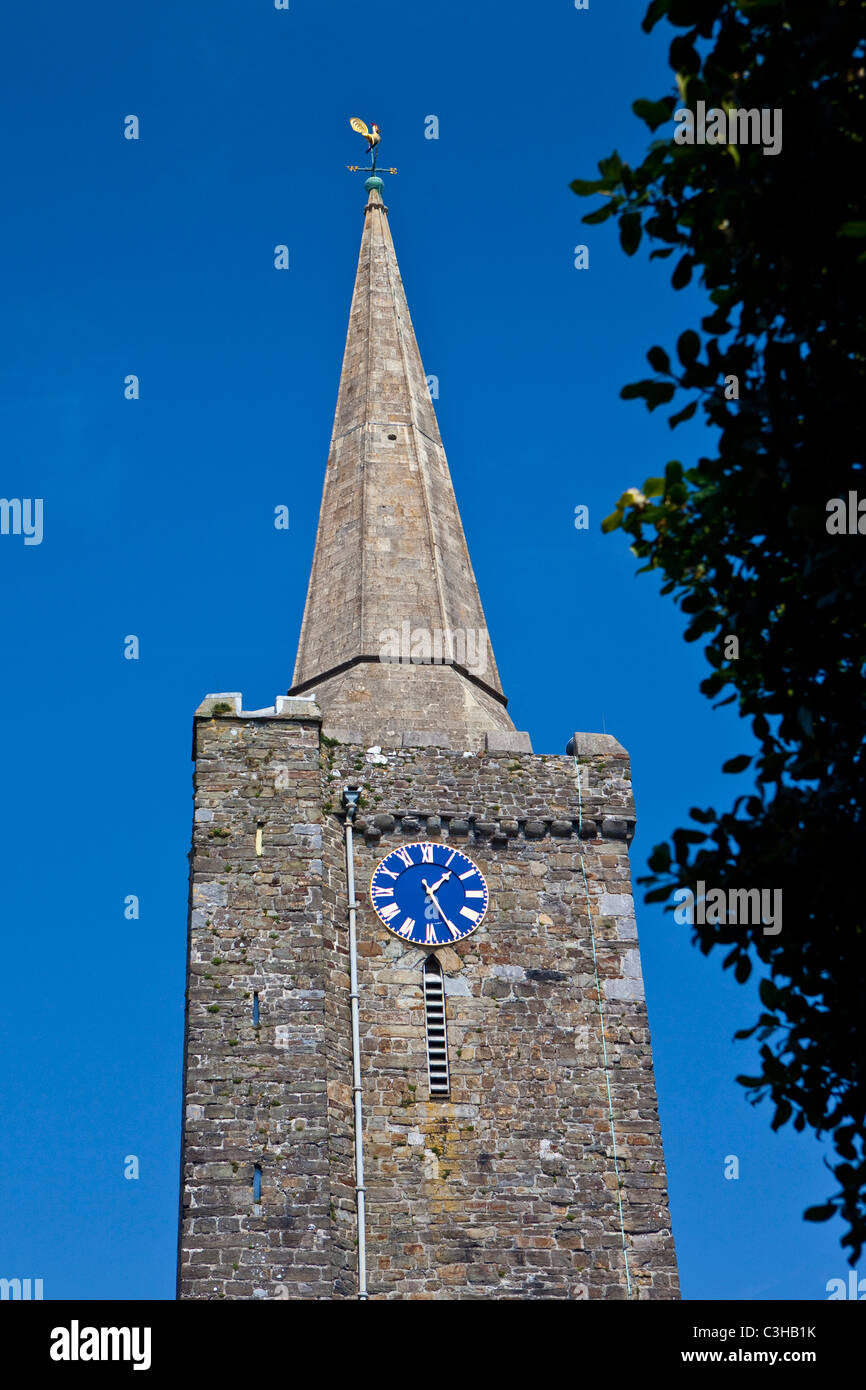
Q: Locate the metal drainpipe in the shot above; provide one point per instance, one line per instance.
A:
(351, 796)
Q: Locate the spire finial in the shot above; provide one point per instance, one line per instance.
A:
(373, 137)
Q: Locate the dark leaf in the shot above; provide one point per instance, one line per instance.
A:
(688, 347)
(600, 215)
(630, 232)
(635, 389)
(819, 1213)
(784, 1110)
(768, 993)
(655, 113)
(584, 187)
(685, 414)
(682, 272)
(738, 764)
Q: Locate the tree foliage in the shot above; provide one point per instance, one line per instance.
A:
(741, 539)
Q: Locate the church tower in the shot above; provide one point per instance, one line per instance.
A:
(417, 1060)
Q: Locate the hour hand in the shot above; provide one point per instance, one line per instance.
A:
(434, 887)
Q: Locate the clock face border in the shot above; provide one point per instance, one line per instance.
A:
(433, 845)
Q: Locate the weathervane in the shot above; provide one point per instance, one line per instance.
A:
(372, 136)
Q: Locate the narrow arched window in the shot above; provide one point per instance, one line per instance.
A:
(434, 1016)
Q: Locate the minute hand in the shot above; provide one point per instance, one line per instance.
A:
(453, 930)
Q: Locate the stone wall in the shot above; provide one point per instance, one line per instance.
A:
(504, 1189)
(257, 1094)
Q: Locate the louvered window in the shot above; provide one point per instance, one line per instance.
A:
(434, 1014)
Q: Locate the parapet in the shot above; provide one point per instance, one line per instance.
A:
(229, 704)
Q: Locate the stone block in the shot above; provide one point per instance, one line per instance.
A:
(427, 738)
(297, 707)
(342, 733)
(590, 745)
(232, 698)
(617, 828)
(508, 741)
(616, 905)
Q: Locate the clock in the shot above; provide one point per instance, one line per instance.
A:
(431, 894)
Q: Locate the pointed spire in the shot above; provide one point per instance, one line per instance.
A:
(392, 584)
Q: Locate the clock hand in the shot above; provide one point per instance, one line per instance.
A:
(434, 887)
(430, 893)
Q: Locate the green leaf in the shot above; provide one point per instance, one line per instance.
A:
(654, 113)
(654, 487)
(611, 522)
(584, 187)
(852, 229)
(600, 215)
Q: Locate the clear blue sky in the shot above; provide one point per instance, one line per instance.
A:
(155, 257)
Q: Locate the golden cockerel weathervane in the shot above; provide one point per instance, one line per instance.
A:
(372, 136)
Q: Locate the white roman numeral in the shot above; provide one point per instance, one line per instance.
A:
(407, 927)
(431, 937)
(473, 916)
(405, 856)
(381, 892)
(475, 892)
(389, 912)
(468, 874)
(426, 854)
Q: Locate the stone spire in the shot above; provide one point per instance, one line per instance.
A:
(394, 640)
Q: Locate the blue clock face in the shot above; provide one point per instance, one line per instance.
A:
(428, 893)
